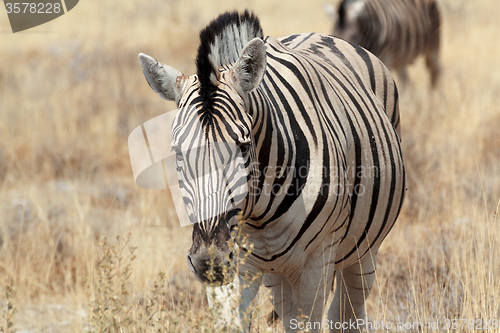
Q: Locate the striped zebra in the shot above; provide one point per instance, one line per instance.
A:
(396, 31)
(316, 122)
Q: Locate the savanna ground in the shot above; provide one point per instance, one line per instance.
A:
(72, 90)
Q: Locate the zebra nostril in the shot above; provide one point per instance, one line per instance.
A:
(231, 255)
(190, 264)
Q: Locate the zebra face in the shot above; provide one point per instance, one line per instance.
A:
(214, 157)
(213, 141)
(346, 19)
(213, 153)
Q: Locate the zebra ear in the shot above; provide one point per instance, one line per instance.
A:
(330, 11)
(251, 66)
(161, 78)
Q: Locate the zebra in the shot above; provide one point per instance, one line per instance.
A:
(316, 122)
(396, 31)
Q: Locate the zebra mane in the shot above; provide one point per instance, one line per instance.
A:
(221, 44)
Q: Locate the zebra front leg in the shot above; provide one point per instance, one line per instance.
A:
(249, 289)
(353, 285)
(224, 304)
(310, 290)
(230, 304)
(281, 293)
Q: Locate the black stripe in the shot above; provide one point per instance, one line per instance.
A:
(292, 91)
(303, 40)
(369, 65)
(395, 113)
(289, 39)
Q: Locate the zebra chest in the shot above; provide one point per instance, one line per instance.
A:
(286, 243)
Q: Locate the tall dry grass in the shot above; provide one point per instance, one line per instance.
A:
(72, 90)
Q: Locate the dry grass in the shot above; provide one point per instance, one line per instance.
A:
(70, 96)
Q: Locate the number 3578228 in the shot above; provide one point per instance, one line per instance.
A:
(33, 8)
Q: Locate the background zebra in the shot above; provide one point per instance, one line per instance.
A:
(316, 121)
(396, 31)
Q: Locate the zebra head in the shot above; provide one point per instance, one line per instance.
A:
(345, 18)
(212, 134)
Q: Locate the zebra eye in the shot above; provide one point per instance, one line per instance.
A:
(245, 148)
(179, 160)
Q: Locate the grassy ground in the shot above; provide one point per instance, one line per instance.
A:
(71, 91)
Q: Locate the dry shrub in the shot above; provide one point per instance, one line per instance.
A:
(491, 140)
(42, 252)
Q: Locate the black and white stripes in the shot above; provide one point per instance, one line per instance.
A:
(308, 126)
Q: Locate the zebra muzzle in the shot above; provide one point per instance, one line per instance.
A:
(212, 267)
